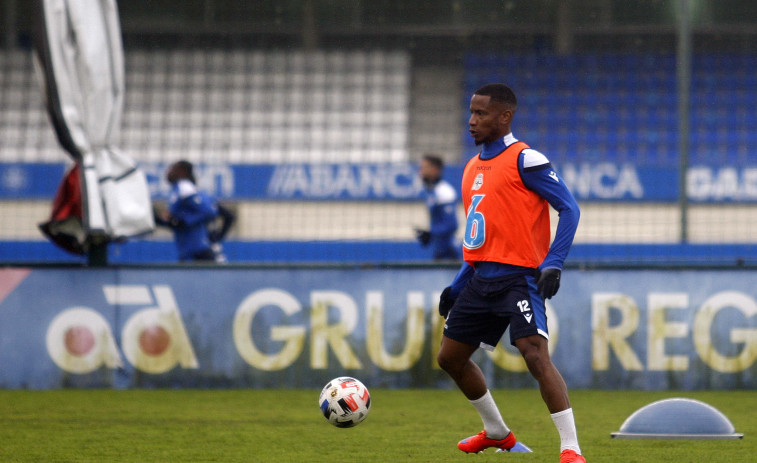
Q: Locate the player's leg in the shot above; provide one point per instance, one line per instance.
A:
(535, 352)
(554, 392)
(529, 333)
(470, 324)
(455, 358)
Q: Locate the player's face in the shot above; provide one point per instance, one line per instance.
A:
(488, 120)
(428, 172)
(174, 174)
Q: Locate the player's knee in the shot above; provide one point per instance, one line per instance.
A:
(443, 361)
(448, 363)
(536, 359)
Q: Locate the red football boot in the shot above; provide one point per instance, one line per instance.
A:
(479, 443)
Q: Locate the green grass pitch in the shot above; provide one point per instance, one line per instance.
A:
(286, 426)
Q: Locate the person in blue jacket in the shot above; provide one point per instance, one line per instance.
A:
(441, 199)
(190, 214)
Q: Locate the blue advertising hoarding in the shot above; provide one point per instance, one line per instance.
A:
(298, 327)
(596, 181)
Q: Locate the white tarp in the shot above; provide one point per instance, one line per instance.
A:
(80, 59)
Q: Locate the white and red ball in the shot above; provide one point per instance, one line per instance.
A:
(345, 402)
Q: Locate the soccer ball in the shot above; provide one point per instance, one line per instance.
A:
(345, 402)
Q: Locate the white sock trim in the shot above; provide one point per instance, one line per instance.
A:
(480, 399)
(494, 425)
(566, 426)
(559, 414)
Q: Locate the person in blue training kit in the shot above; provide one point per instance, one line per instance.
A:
(510, 269)
(441, 199)
(190, 214)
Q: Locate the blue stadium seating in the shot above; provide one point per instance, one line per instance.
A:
(623, 107)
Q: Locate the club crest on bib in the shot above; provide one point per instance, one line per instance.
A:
(478, 182)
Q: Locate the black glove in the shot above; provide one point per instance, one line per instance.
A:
(424, 236)
(175, 222)
(446, 302)
(549, 282)
(159, 220)
(215, 236)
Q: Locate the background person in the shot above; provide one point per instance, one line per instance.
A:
(191, 215)
(441, 199)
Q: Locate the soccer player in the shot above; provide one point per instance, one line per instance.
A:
(509, 270)
(441, 199)
(190, 212)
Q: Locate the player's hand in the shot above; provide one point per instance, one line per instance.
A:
(446, 302)
(549, 282)
(175, 222)
(423, 236)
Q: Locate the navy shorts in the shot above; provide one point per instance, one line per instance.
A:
(487, 306)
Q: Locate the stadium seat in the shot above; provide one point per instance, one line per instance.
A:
(232, 99)
(623, 106)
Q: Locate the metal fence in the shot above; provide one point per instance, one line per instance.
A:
(308, 117)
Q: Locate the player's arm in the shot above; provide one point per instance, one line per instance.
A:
(447, 222)
(159, 216)
(539, 176)
(444, 210)
(193, 210)
(227, 219)
(450, 293)
(463, 275)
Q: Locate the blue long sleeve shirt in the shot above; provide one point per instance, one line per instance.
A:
(441, 200)
(194, 209)
(537, 174)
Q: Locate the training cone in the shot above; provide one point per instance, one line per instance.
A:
(677, 418)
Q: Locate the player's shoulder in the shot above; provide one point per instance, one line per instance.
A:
(444, 192)
(185, 189)
(532, 158)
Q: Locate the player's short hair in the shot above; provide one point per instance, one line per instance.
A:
(187, 168)
(434, 160)
(500, 93)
